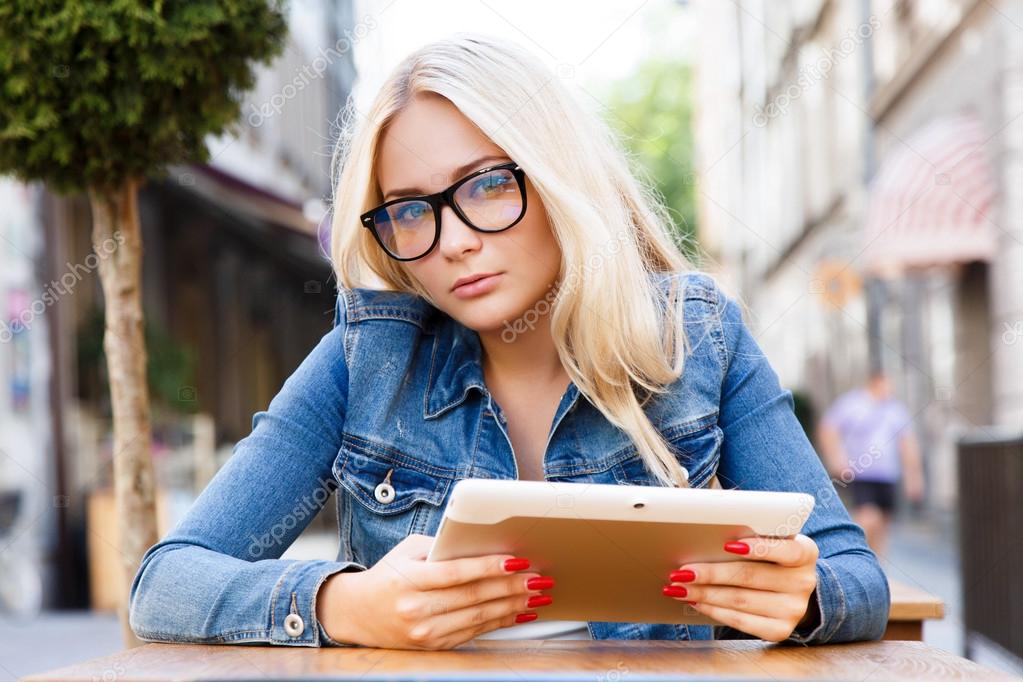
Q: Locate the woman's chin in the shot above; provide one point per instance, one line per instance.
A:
(487, 316)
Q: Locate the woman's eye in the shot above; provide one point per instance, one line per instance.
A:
(410, 213)
(488, 185)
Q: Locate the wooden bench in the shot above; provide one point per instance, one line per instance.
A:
(911, 606)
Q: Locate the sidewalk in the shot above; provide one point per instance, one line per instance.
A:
(924, 552)
(55, 639)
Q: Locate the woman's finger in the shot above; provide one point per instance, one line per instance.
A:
(755, 575)
(762, 627)
(757, 602)
(432, 575)
(444, 624)
(468, 634)
(470, 594)
(794, 551)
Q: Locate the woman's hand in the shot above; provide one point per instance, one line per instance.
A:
(405, 602)
(767, 596)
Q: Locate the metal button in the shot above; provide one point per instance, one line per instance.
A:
(294, 625)
(384, 492)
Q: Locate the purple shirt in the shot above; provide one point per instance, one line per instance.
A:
(870, 431)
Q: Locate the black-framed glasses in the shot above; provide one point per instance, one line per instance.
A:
(491, 199)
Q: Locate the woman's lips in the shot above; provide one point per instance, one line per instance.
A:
(479, 287)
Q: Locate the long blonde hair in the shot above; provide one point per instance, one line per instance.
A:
(613, 231)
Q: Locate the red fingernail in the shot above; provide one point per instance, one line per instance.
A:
(539, 600)
(542, 582)
(675, 591)
(683, 576)
(737, 547)
(516, 564)
(525, 617)
(691, 603)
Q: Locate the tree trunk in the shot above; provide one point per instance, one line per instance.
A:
(117, 242)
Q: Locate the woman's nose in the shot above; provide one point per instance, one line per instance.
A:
(455, 236)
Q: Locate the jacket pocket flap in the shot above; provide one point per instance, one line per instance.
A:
(387, 484)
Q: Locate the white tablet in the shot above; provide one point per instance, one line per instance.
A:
(610, 548)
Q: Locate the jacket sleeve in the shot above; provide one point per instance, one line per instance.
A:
(765, 448)
(217, 576)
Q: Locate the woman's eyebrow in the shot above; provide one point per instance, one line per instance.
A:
(456, 173)
(473, 165)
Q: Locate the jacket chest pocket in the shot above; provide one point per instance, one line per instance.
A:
(388, 496)
(696, 443)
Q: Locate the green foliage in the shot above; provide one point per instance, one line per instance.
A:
(170, 370)
(93, 92)
(652, 112)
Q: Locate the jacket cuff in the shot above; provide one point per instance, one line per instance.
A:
(828, 599)
(328, 641)
(293, 619)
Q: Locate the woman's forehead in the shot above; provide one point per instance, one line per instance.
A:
(425, 143)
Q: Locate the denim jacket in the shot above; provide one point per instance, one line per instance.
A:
(396, 389)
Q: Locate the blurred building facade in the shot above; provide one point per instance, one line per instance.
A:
(859, 165)
(25, 412)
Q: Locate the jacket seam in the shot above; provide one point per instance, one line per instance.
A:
(611, 461)
(460, 398)
(275, 594)
(346, 345)
(396, 456)
(430, 378)
(364, 313)
(161, 636)
(719, 335)
(415, 500)
(840, 616)
(698, 286)
(689, 427)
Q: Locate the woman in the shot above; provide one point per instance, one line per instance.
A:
(536, 321)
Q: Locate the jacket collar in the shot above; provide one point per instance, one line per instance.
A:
(456, 366)
(456, 360)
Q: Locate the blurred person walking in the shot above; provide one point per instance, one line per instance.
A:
(867, 441)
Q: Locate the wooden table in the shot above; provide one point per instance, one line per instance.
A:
(521, 660)
(911, 606)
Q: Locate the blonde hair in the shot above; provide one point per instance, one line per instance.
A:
(596, 208)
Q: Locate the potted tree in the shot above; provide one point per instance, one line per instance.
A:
(96, 96)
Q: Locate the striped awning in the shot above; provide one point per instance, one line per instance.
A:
(931, 199)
